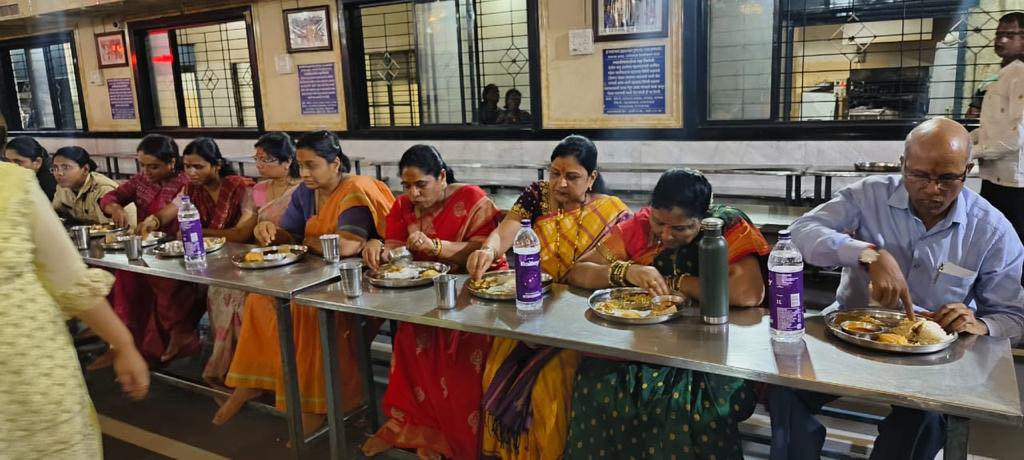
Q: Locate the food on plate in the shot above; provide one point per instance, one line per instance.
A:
(892, 339)
(844, 317)
(635, 305)
(429, 273)
(495, 285)
(110, 238)
(395, 272)
(284, 249)
(930, 333)
(254, 256)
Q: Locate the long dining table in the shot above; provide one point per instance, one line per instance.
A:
(281, 283)
(972, 379)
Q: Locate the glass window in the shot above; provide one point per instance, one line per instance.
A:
(200, 76)
(449, 62)
(44, 85)
(826, 60)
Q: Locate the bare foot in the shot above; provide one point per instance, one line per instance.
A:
(101, 362)
(427, 454)
(374, 446)
(178, 342)
(232, 405)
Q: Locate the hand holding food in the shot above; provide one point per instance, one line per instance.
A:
(888, 286)
(265, 232)
(420, 242)
(374, 254)
(647, 277)
(119, 217)
(956, 318)
(148, 225)
(479, 261)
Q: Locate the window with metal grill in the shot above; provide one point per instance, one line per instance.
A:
(848, 60)
(198, 74)
(40, 85)
(449, 62)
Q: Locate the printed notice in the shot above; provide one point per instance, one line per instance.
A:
(634, 80)
(122, 101)
(318, 90)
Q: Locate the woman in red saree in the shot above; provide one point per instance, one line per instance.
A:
(433, 394)
(161, 313)
(224, 201)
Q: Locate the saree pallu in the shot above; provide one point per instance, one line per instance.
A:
(256, 362)
(433, 394)
(636, 410)
(629, 409)
(564, 237)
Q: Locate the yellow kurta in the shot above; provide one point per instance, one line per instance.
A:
(45, 411)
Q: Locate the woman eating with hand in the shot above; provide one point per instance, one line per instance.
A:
(161, 313)
(433, 394)
(26, 152)
(331, 201)
(80, 187)
(224, 202)
(570, 213)
(636, 409)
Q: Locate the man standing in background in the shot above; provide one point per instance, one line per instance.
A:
(998, 141)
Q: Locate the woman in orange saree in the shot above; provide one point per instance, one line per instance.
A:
(433, 394)
(354, 207)
(528, 389)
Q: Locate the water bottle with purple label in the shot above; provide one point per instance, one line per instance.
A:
(786, 290)
(191, 234)
(529, 290)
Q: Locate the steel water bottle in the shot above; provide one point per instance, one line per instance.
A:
(713, 257)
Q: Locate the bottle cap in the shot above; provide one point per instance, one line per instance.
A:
(712, 223)
(784, 233)
(525, 223)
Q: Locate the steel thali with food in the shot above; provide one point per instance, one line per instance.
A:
(501, 285)
(270, 256)
(635, 300)
(835, 322)
(411, 274)
(152, 239)
(177, 249)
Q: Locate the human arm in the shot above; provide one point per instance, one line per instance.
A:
(154, 221)
(80, 291)
(997, 291)
(493, 246)
(242, 231)
(293, 222)
(746, 286)
(593, 271)
(113, 203)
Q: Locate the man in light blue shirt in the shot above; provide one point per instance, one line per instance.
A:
(921, 239)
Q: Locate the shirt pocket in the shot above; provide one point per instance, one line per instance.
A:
(951, 288)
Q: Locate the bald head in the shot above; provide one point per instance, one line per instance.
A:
(938, 140)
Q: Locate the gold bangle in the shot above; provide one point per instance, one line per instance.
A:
(679, 279)
(437, 247)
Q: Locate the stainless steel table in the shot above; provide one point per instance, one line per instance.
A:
(973, 379)
(280, 283)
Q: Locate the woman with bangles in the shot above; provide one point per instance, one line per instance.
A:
(433, 394)
(631, 409)
(527, 388)
(331, 201)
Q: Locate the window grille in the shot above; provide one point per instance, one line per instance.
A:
(44, 85)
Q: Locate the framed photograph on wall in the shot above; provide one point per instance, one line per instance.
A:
(111, 50)
(308, 29)
(630, 19)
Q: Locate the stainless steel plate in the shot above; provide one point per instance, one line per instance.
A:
(153, 240)
(892, 316)
(101, 230)
(294, 254)
(876, 166)
(376, 279)
(173, 248)
(503, 278)
(606, 294)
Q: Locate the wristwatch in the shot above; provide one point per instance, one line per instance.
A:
(868, 256)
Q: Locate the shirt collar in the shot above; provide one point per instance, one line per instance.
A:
(958, 215)
(86, 186)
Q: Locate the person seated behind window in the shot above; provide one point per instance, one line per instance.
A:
(80, 187)
(512, 115)
(922, 239)
(489, 110)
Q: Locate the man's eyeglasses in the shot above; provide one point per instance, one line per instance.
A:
(944, 182)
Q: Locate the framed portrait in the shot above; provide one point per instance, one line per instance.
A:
(308, 29)
(111, 50)
(630, 19)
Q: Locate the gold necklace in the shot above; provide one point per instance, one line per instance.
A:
(576, 241)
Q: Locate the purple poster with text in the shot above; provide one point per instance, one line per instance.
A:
(318, 90)
(122, 101)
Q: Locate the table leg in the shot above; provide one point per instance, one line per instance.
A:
(117, 168)
(110, 169)
(241, 169)
(286, 337)
(332, 382)
(797, 192)
(366, 362)
(828, 188)
(956, 438)
(817, 190)
(540, 173)
(359, 167)
(380, 171)
(789, 189)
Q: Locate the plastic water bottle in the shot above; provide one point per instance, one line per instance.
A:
(529, 291)
(786, 290)
(191, 235)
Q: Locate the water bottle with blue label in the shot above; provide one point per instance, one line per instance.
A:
(786, 290)
(529, 290)
(191, 235)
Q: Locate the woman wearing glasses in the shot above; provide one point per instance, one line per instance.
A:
(79, 186)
